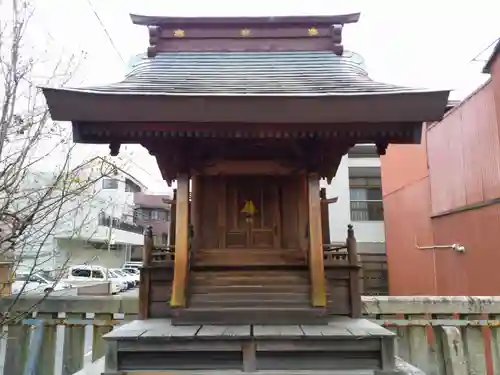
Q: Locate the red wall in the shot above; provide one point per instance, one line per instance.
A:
(405, 187)
(464, 154)
(457, 164)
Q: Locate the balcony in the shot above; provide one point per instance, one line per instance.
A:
(113, 222)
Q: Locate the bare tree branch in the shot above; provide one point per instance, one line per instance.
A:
(45, 190)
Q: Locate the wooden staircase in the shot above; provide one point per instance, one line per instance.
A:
(249, 286)
(244, 257)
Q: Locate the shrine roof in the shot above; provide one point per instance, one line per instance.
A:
(251, 70)
(329, 20)
(308, 73)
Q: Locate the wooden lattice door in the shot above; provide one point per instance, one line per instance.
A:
(252, 216)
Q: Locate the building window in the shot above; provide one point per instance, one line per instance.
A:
(131, 186)
(366, 199)
(159, 215)
(110, 184)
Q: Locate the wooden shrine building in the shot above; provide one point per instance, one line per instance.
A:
(247, 115)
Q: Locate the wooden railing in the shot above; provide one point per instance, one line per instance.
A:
(440, 335)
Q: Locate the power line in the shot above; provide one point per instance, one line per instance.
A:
(106, 31)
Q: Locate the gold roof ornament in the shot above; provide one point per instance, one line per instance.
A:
(245, 32)
(179, 33)
(312, 31)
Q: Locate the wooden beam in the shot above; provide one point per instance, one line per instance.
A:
(178, 298)
(325, 217)
(245, 167)
(316, 266)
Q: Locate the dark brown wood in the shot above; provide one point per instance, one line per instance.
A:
(148, 246)
(243, 32)
(251, 109)
(195, 213)
(173, 216)
(354, 281)
(325, 218)
(247, 45)
(144, 293)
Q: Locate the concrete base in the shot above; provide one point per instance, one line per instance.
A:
(403, 368)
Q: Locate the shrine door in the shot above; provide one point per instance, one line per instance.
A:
(252, 212)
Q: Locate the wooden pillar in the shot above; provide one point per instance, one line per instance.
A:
(145, 274)
(147, 249)
(316, 266)
(325, 217)
(181, 260)
(354, 273)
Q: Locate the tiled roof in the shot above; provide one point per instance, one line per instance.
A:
(249, 73)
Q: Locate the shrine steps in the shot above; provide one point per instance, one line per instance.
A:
(340, 344)
(249, 315)
(248, 257)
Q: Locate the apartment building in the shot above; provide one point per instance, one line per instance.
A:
(98, 227)
(152, 210)
(357, 185)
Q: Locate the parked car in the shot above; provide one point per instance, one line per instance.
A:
(88, 273)
(35, 283)
(133, 272)
(135, 265)
(128, 278)
(124, 285)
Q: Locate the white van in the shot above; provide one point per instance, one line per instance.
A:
(87, 273)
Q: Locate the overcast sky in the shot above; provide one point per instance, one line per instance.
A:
(426, 43)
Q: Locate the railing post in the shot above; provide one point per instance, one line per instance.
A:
(147, 249)
(47, 356)
(98, 343)
(74, 342)
(354, 282)
(16, 353)
(145, 281)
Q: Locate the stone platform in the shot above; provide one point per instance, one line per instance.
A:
(342, 344)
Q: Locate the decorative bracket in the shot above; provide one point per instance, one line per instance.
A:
(337, 46)
(114, 148)
(154, 38)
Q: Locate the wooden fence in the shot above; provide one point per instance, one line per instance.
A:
(440, 335)
(374, 278)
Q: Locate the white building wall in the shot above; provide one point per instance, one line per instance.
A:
(369, 234)
(113, 202)
(75, 252)
(79, 222)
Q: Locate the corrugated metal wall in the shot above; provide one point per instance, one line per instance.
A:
(407, 223)
(464, 154)
(477, 271)
(463, 157)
